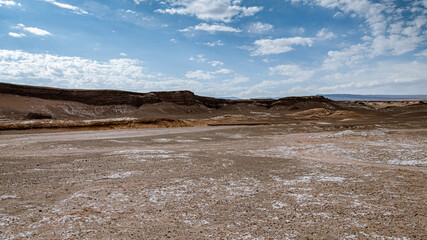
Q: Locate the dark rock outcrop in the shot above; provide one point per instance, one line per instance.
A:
(33, 115)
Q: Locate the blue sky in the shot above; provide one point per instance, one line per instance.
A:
(220, 48)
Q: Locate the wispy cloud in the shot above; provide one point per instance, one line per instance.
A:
(204, 75)
(393, 30)
(16, 35)
(260, 28)
(277, 46)
(75, 9)
(214, 44)
(211, 28)
(33, 30)
(422, 53)
(324, 34)
(200, 58)
(293, 73)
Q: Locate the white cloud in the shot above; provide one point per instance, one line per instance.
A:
(394, 44)
(224, 71)
(277, 46)
(210, 28)
(293, 72)
(346, 57)
(392, 33)
(16, 35)
(138, 1)
(67, 71)
(204, 75)
(9, 3)
(237, 80)
(123, 54)
(338, 14)
(267, 60)
(130, 11)
(199, 74)
(214, 10)
(260, 28)
(216, 43)
(33, 30)
(324, 34)
(422, 53)
(403, 38)
(75, 9)
(378, 79)
(75, 72)
(372, 12)
(266, 88)
(216, 63)
(199, 58)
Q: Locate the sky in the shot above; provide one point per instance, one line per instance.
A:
(218, 48)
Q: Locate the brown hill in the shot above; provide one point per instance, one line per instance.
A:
(53, 107)
(20, 101)
(116, 97)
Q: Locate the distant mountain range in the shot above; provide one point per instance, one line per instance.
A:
(355, 97)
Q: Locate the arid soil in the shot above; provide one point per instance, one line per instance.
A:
(86, 164)
(305, 180)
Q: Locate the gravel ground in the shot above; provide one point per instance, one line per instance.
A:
(291, 181)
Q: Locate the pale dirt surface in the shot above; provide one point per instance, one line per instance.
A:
(290, 181)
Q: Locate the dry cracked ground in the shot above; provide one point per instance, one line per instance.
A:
(290, 181)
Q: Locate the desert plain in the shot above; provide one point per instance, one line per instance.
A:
(306, 169)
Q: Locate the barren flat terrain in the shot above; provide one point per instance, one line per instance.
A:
(103, 164)
(285, 181)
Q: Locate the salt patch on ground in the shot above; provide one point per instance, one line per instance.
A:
(6, 220)
(390, 152)
(163, 140)
(144, 155)
(304, 179)
(136, 151)
(330, 179)
(281, 151)
(185, 141)
(308, 179)
(184, 189)
(373, 133)
(279, 204)
(116, 141)
(408, 162)
(301, 197)
(3, 197)
(120, 175)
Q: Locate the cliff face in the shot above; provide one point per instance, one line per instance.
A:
(115, 97)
